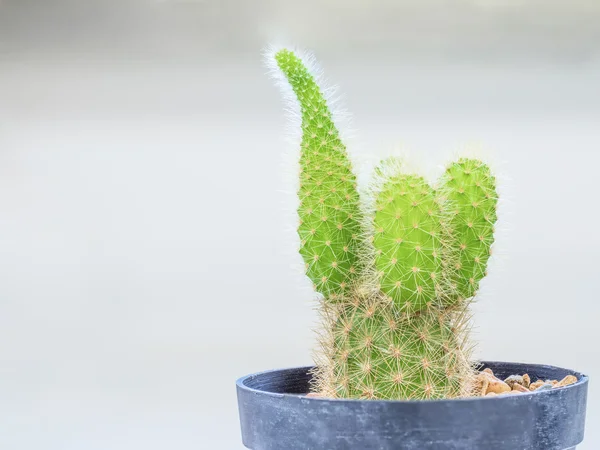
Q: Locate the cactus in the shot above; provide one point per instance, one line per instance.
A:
(379, 352)
(470, 189)
(408, 241)
(397, 275)
(329, 203)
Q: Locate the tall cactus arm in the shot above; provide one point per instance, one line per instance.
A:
(329, 212)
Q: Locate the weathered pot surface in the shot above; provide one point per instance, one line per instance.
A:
(276, 415)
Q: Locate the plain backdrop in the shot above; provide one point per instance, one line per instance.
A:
(146, 257)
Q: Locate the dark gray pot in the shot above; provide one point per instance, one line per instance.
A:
(275, 415)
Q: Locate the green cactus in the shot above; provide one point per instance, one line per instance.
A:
(408, 241)
(470, 189)
(380, 352)
(329, 203)
(397, 277)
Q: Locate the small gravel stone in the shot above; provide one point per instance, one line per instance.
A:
(488, 385)
(519, 388)
(514, 380)
(483, 385)
(569, 379)
(537, 384)
(493, 384)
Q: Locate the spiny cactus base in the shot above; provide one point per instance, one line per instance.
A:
(377, 351)
(396, 282)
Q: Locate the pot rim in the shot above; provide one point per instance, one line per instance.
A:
(582, 379)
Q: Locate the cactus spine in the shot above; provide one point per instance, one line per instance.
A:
(397, 280)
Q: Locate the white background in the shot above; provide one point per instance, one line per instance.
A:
(146, 258)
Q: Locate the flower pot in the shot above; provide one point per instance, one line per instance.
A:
(275, 415)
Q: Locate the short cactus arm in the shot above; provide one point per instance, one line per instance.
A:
(469, 187)
(329, 212)
(407, 239)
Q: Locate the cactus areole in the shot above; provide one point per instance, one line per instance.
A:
(396, 268)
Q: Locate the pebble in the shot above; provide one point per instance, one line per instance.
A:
(498, 386)
(534, 386)
(519, 388)
(521, 380)
(514, 380)
(489, 385)
(569, 379)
